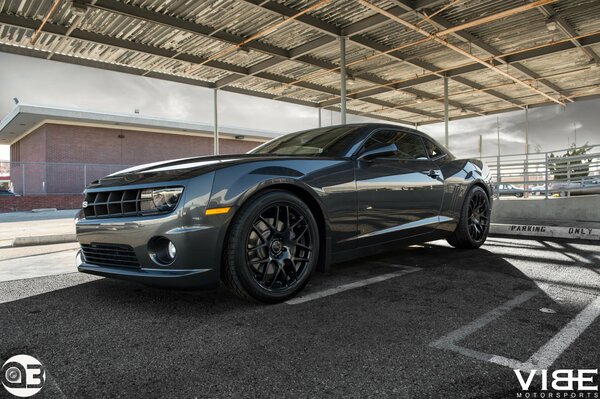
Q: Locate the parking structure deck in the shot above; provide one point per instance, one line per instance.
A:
(425, 321)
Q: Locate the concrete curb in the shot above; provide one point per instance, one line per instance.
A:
(43, 240)
(528, 230)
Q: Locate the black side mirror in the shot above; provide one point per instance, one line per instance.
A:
(379, 151)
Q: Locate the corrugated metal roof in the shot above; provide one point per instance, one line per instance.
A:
(199, 42)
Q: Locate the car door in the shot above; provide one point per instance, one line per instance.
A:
(398, 196)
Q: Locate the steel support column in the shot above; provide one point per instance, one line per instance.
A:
(343, 79)
(216, 121)
(446, 112)
(320, 116)
(526, 167)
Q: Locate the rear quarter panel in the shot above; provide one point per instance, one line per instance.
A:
(459, 176)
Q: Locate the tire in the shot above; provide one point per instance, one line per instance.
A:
(474, 222)
(272, 248)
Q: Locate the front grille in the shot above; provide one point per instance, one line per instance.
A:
(119, 203)
(112, 255)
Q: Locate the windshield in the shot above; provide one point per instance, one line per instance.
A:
(322, 142)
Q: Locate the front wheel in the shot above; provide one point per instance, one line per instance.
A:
(272, 248)
(474, 222)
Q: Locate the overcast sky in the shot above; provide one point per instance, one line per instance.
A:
(41, 82)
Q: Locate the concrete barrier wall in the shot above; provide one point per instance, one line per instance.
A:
(584, 209)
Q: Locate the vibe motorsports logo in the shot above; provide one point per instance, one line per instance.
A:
(559, 384)
(23, 376)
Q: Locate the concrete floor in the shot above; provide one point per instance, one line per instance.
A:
(426, 321)
(27, 224)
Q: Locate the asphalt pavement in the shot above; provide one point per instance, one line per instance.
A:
(425, 321)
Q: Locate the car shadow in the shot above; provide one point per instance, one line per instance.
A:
(108, 337)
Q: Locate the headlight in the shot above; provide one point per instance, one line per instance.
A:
(163, 199)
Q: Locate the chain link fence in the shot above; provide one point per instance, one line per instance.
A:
(36, 178)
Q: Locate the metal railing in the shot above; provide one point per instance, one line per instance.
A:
(35, 178)
(546, 173)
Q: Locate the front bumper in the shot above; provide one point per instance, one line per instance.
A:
(191, 278)
(196, 264)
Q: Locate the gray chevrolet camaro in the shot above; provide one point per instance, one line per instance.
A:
(263, 222)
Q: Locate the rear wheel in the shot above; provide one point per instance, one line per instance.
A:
(474, 223)
(272, 248)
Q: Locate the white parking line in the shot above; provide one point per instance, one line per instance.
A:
(548, 353)
(543, 358)
(356, 284)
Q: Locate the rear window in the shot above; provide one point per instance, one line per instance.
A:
(410, 146)
(433, 150)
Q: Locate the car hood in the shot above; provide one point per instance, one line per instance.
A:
(179, 169)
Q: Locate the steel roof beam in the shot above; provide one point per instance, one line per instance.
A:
(402, 57)
(510, 109)
(161, 52)
(279, 55)
(563, 25)
(306, 19)
(282, 10)
(406, 8)
(460, 50)
(480, 44)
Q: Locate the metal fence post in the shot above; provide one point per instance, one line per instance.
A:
(498, 169)
(546, 174)
(568, 178)
(23, 178)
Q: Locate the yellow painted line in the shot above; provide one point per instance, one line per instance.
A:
(217, 211)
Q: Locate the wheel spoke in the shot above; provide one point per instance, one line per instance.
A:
(256, 248)
(286, 226)
(306, 247)
(258, 233)
(275, 276)
(301, 234)
(300, 219)
(269, 225)
(264, 273)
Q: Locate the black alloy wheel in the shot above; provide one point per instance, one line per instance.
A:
(474, 222)
(478, 216)
(279, 246)
(272, 247)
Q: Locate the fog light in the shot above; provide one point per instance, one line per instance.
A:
(162, 250)
(172, 250)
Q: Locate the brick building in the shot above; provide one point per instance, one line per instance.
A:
(60, 150)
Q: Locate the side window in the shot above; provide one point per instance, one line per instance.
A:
(410, 146)
(433, 150)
